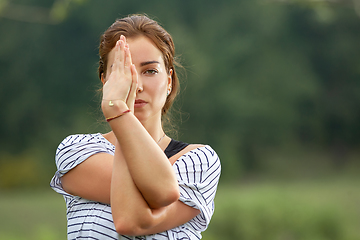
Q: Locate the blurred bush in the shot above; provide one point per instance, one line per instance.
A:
(260, 75)
(277, 213)
(19, 171)
(273, 219)
(312, 210)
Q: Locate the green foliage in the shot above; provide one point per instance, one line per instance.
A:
(37, 215)
(260, 75)
(276, 219)
(307, 210)
(297, 211)
(19, 171)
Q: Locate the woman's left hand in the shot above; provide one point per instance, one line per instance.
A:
(130, 101)
(121, 83)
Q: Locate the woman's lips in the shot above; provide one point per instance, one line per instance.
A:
(139, 103)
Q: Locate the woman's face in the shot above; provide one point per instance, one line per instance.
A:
(153, 79)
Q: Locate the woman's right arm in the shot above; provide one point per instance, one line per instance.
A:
(93, 180)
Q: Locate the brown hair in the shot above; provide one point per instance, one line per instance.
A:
(135, 26)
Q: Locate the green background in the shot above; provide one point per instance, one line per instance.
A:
(273, 86)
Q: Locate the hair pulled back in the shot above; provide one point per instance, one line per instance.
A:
(135, 26)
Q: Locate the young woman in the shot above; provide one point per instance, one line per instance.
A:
(135, 182)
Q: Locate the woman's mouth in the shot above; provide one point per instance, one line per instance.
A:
(139, 103)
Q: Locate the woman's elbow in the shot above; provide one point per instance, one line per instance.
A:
(163, 200)
(173, 196)
(126, 228)
(133, 226)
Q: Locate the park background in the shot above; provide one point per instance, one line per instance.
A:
(272, 85)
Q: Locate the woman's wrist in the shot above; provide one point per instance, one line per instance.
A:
(112, 108)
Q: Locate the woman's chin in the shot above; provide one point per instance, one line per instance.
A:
(140, 115)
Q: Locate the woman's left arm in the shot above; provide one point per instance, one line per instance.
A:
(149, 167)
(131, 213)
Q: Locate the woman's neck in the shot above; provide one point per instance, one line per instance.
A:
(154, 128)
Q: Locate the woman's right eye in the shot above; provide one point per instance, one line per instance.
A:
(151, 71)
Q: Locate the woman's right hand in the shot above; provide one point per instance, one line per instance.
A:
(121, 80)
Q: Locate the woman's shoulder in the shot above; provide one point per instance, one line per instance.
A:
(75, 138)
(200, 148)
(88, 139)
(199, 152)
(78, 147)
(199, 164)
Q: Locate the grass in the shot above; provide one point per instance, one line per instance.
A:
(33, 215)
(301, 210)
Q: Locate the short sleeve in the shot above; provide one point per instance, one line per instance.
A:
(72, 151)
(198, 173)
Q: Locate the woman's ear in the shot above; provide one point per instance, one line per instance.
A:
(102, 78)
(170, 78)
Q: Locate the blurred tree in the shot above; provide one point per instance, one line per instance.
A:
(37, 11)
(260, 74)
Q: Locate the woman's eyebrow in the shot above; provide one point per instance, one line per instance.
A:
(148, 62)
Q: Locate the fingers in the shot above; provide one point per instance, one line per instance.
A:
(127, 62)
(134, 84)
(118, 64)
(120, 68)
(123, 79)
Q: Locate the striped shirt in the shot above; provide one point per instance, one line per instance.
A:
(197, 172)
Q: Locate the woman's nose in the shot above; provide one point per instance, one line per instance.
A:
(139, 86)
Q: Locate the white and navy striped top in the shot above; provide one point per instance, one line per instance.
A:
(197, 172)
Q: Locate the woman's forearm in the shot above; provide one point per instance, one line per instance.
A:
(149, 167)
(131, 213)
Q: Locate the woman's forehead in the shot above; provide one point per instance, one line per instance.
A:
(142, 50)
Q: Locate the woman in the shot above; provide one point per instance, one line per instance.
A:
(158, 188)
